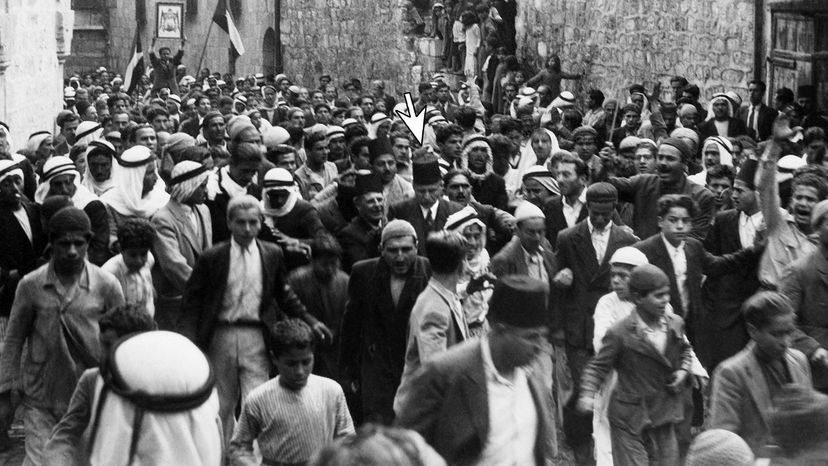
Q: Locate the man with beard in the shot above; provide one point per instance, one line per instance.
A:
(360, 238)
(566, 210)
(55, 315)
(232, 180)
(384, 165)
(645, 190)
(500, 225)
(183, 230)
(98, 175)
(382, 292)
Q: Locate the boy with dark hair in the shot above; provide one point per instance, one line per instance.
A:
(719, 181)
(133, 266)
(65, 446)
(745, 385)
(653, 359)
(294, 414)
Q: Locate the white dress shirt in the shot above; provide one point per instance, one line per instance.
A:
(243, 295)
(748, 224)
(571, 212)
(534, 262)
(433, 210)
(513, 418)
(679, 260)
(600, 240)
(657, 336)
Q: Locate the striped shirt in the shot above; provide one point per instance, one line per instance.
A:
(290, 426)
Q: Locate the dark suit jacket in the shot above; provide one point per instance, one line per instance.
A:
(764, 121)
(512, 261)
(374, 332)
(699, 263)
(18, 253)
(409, 210)
(740, 399)
(190, 126)
(555, 220)
(735, 128)
(640, 399)
(359, 241)
(205, 290)
(591, 280)
(449, 407)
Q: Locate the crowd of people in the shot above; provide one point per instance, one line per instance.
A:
(248, 270)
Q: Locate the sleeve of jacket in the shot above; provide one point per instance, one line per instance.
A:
(194, 305)
(596, 372)
(626, 187)
(719, 265)
(420, 412)
(707, 208)
(312, 224)
(792, 287)
(713, 241)
(286, 298)
(168, 253)
(350, 335)
(432, 334)
(725, 401)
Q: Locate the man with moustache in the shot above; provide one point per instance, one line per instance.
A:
(360, 238)
(645, 190)
(384, 165)
(382, 292)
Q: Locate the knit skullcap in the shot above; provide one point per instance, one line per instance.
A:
(719, 447)
(397, 228)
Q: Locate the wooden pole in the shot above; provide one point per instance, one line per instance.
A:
(204, 49)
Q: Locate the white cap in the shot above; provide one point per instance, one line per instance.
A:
(526, 210)
(629, 255)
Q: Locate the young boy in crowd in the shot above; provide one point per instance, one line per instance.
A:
(294, 414)
(66, 445)
(653, 360)
(132, 267)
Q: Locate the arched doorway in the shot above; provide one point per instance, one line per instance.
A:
(269, 50)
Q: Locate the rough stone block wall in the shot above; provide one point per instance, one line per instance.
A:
(347, 39)
(620, 42)
(35, 36)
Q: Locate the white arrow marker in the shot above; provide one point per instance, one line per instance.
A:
(415, 122)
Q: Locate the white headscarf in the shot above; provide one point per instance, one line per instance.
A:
(128, 179)
(187, 176)
(279, 179)
(725, 149)
(4, 129)
(36, 139)
(98, 147)
(87, 132)
(10, 168)
(62, 165)
(715, 99)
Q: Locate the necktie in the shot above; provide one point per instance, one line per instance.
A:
(600, 250)
(750, 117)
(429, 220)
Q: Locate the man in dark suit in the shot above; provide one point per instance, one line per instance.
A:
(232, 180)
(757, 116)
(381, 294)
(237, 289)
(360, 238)
(21, 234)
(529, 253)
(566, 210)
(583, 255)
(475, 404)
(192, 126)
(427, 211)
(723, 120)
(732, 230)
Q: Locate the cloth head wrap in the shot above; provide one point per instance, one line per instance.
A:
(725, 149)
(128, 181)
(464, 217)
(36, 139)
(526, 210)
(544, 177)
(187, 176)
(177, 142)
(10, 168)
(279, 179)
(87, 132)
(719, 98)
(62, 165)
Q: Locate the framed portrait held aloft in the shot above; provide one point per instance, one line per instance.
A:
(169, 20)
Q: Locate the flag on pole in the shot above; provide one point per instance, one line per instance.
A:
(135, 67)
(224, 19)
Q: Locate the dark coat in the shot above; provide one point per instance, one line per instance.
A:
(736, 127)
(359, 240)
(374, 332)
(409, 210)
(204, 292)
(591, 280)
(640, 399)
(449, 407)
(18, 253)
(190, 126)
(512, 261)
(99, 251)
(764, 121)
(644, 190)
(491, 190)
(723, 297)
(700, 263)
(555, 220)
(218, 210)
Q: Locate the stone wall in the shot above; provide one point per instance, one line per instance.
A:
(35, 38)
(620, 42)
(347, 39)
